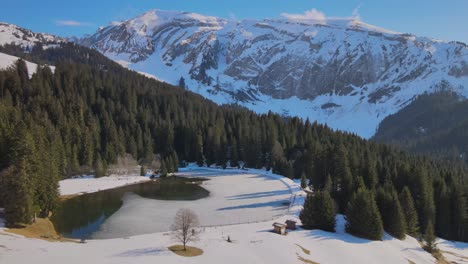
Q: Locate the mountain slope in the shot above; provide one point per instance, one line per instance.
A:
(7, 61)
(345, 73)
(435, 124)
(12, 34)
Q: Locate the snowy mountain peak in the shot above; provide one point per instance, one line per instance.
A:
(149, 21)
(358, 24)
(10, 33)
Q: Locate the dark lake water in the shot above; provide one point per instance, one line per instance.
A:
(83, 215)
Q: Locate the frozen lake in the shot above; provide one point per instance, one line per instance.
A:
(233, 198)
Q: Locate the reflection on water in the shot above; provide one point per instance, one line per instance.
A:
(83, 215)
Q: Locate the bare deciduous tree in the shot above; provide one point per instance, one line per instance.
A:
(185, 225)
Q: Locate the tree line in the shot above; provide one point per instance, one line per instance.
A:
(90, 110)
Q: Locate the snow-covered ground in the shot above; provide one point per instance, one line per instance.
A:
(252, 242)
(90, 184)
(454, 252)
(7, 61)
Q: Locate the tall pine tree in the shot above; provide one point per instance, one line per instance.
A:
(363, 217)
(411, 216)
(319, 212)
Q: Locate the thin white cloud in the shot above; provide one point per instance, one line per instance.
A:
(355, 15)
(72, 23)
(232, 16)
(312, 15)
(315, 16)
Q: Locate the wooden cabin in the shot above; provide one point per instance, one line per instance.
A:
(291, 224)
(279, 228)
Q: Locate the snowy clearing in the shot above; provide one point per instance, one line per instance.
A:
(252, 243)
(7, 61)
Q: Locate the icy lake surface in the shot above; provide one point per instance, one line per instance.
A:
(233, 198)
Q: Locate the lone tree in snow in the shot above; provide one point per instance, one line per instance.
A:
(430, 238)
(184, 226)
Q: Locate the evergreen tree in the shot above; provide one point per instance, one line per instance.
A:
(327, 187)
(443, 214)
(142, 171)
(19, 203)
(200, 158)
(411, 216)
(99, 168)
(363, 217)
(175, 160)
(392, 215)
(459, 213)
(303, 181)
(233, 156)
(429, 238)
(319, 212)
(422, 190)
(182, 83)
(163, 168)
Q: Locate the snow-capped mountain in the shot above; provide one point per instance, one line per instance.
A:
(12, 34)
(342, 72)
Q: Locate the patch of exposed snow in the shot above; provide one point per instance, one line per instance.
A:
(7, 61)
(454, 252)
(124, 63)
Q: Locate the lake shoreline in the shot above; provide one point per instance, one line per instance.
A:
(84, 215)
(78, 186)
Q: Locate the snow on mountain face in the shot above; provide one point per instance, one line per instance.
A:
(12, 34)
(345, 73)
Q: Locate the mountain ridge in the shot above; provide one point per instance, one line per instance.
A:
(336, 71)
(14, 34)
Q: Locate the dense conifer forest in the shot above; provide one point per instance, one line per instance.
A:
(435, 124)
(90, 111)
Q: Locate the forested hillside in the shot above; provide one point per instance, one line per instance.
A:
(91, 110)
(435, 124)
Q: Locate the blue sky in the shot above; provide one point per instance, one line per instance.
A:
(443, 19)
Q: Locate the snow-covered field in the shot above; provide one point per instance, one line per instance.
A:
(454, 252)
(252, 242)
(90, 184)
